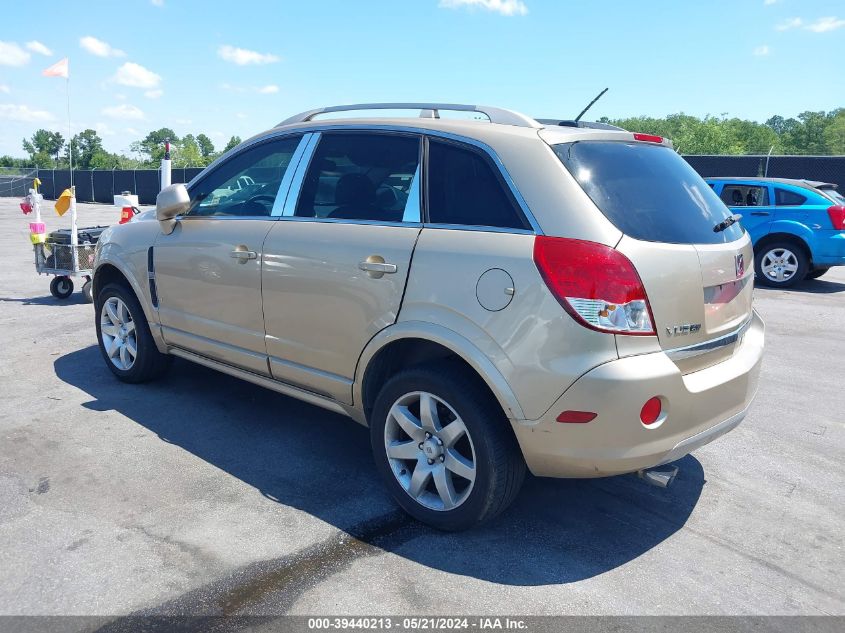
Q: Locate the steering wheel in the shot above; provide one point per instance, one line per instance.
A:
(261, 198)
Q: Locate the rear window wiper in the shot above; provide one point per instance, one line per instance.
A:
(728, 221)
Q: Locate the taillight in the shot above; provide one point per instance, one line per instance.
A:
(837, 216)
(595, 284)
(649, 138)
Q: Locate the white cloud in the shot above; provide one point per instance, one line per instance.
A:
(99, 47)
(104, 129)
(132, 131)
(23, 113)
(4, 89)
(791, 23)
(505, 7)
(823, 25)
(12, 55)
(157, 3)
(242, 56)
(762, 51)
(769, 2)
(154, 94)
(37, 47)
(241, 115)
(123, 111)
(269, 89)
(183, 121)
(136, 76)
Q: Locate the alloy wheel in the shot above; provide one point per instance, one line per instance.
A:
(779, 265)
(430, 451)
(117, 331)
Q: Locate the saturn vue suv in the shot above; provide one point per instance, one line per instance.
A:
(487, 296)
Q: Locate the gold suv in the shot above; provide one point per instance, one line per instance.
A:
(485, 295)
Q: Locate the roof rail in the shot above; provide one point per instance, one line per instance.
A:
(427, 111)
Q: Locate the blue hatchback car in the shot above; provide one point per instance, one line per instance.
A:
(797, 226)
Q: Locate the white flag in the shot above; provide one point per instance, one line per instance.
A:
(59, 69)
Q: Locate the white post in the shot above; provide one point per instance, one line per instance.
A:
(74, 239)
(165, 165)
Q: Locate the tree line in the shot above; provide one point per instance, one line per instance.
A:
(49, 150)
(810, 133)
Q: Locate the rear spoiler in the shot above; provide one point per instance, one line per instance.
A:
(594, 125)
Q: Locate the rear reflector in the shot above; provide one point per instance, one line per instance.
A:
(597, 285)
(576, 417)
(651, 411)
(649, 138)
(837, 216)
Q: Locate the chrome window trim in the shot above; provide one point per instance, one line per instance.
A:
(292, 196)
(300, 218)
(536, 230)
(192, 218)
(287, 179)
(682, 353)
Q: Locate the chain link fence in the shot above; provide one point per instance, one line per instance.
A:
(100, 185)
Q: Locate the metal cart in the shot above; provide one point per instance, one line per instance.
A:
(66, 261)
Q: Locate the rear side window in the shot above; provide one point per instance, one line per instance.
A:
(786, 198)
(465, 188)
(648, 192)
(362, 176)
(735, 195)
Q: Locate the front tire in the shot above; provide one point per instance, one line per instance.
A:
(781, 264)
(124, 337)
(444, 448)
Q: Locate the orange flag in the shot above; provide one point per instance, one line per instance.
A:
(59, 69)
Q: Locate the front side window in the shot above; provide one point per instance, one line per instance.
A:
(362, 176)
(786, 198)
(464, 189)
(246, 184)
(735, 195)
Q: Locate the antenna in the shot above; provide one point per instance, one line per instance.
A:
(590, 105)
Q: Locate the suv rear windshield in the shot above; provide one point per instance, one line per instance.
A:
(648, 191)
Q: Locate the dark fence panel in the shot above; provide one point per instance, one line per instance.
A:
(823, 168)
(102, 185)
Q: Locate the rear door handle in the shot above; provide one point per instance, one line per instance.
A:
(759, 213)
(377, 267)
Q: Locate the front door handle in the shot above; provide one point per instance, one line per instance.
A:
(759, 213)
(376, 267)
(242, 254)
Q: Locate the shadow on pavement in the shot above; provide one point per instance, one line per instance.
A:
(558, 531)
(813, 286)
(48, 300)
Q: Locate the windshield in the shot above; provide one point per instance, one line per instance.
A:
(648, 191)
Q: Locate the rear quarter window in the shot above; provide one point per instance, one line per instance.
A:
(648, 192)
(786, 198)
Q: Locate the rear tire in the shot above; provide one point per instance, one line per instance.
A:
(781, 264)
(61, 287)
(124, 337)
(467, 475)
(817, 272)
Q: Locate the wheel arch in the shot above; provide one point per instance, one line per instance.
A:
(411, 343)
(112, 271)
(784, 236)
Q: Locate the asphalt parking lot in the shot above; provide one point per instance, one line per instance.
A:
(202, 494)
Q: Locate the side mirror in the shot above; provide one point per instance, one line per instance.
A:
(170, 202)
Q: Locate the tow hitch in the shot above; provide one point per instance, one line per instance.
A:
(660, 476)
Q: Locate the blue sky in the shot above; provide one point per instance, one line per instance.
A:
(236, 68)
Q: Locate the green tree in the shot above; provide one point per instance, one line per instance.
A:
(206, 147)
(84, 147)
(153, 144)
(834, 134)
(188, 153)
(233, 142)
(44, 147)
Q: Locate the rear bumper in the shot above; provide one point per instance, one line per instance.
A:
(696, 409)
(829, 248)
